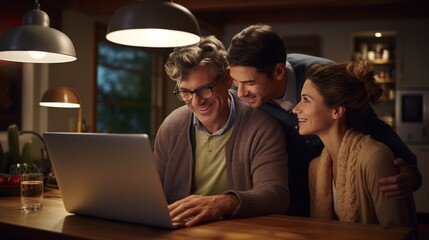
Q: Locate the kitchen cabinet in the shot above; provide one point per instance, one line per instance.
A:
(412, 56)
(381, 51)
(421, 196)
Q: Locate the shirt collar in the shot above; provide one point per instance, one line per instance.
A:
(288, 101)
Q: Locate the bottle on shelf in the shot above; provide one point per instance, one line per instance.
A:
(381, 52)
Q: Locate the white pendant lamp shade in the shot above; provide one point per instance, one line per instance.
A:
(153, 23)
(36, 42)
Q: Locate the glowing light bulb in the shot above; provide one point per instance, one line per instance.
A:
(37, 54)
(378, 34)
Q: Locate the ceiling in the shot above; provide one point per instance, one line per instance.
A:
(213, 15)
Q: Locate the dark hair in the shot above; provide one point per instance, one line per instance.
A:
(257, 46)
(351, 85)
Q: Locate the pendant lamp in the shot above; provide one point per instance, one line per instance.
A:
(153, 23)
(35, 41)
(63, 97)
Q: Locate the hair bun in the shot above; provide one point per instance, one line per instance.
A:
(363, 71)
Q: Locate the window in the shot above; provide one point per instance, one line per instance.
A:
(125, 89)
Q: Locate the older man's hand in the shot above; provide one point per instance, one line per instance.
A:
(199, 209)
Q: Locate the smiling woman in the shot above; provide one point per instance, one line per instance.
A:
(343, 180)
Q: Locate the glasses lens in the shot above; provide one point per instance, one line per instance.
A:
(204, 92)
(184, 96)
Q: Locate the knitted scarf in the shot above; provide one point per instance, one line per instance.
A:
(347, 205)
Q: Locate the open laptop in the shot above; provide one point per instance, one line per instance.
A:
(110, 176)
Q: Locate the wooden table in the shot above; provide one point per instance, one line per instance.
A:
(53, 222)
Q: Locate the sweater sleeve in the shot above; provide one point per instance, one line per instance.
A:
(382, 132)
(312, 179)
(389, 211)
(173, 155)
(259, 168)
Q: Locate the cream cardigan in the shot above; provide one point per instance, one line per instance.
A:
(361, 162)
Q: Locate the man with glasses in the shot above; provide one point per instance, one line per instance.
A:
(217, 157)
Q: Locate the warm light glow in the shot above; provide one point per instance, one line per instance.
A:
(152, 37)
(35, 41)
(59, 104)
(63, 97)
(37, 54)
(378, 34)
(153, 23)
(24, 56)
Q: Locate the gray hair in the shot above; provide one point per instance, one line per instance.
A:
(183, 60)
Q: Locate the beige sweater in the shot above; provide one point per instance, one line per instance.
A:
(361, 162)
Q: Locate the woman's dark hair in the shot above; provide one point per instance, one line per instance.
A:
(350, 85)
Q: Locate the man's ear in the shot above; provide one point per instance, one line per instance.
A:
(279, 72)
(338, 112)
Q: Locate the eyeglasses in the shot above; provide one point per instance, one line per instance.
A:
(202, 92)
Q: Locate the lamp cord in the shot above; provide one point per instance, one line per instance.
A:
(34, 133)
(36, 4)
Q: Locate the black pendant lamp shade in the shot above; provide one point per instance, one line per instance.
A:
(36, 42)
(153, 23)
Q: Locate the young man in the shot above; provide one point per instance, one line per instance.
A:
(267, 78)
(216, 156)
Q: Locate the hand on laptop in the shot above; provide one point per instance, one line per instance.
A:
(201, 209)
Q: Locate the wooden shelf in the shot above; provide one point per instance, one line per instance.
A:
(384, 80)
(382, 61)
(382, 54)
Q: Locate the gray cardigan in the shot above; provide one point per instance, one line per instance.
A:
(256, 160)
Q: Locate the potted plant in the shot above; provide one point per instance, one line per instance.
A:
(15, 161)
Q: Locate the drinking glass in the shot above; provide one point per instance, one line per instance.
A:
(31, 191)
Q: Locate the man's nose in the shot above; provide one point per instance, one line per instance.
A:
(241, 91)
(196, 98)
